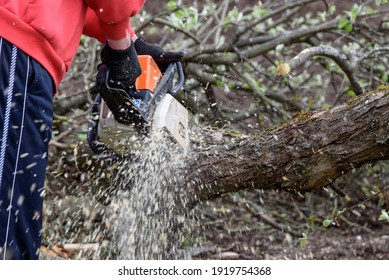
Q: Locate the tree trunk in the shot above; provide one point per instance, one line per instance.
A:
(310, 151)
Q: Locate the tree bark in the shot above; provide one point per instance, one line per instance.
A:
(308, 152)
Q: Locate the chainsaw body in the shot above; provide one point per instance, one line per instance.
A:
(120, 119)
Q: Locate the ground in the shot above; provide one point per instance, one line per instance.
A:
(234, 236)
(223, 229)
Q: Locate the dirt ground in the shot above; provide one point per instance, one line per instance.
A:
(223, 229)
(236, 236)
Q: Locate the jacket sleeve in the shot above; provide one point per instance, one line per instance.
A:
(92, 26)
(113, 17)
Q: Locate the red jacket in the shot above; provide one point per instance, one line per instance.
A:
(50, 30)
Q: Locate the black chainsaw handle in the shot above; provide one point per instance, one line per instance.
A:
(96, 146)
(180, 79)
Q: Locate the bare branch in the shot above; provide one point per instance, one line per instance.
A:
(200, 55)
(326, 51)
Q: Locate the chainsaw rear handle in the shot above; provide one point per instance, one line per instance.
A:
(96, 146)
(180, 79)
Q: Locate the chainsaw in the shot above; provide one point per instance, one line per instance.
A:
(120, 118)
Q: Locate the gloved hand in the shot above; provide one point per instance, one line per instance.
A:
(162, 58)
(124, 66)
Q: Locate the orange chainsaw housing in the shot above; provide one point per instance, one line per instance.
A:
(150, 74)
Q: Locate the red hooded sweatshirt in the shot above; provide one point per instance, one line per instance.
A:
(50, 30)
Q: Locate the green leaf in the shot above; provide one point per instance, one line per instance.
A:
(355, 12)
(384, 78)
(259, 12)
(231, 85)
(246, 86)
(234, 15)
(304, 240)
(362, 206)
(172, 5)
(384, 216)
(332, 9)
(349, 27)
(219, 83)
(342, 23)
(180, 14)
(340, 212)
(327, 222)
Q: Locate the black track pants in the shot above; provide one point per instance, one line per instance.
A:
(25, 130)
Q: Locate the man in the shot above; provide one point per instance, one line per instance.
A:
(38, 41)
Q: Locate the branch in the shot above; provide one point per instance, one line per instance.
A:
(373, 54)
(199, 56)
(276, 12)
(258, 212)
(326, 51)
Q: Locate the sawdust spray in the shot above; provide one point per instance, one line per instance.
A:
(148, 207)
